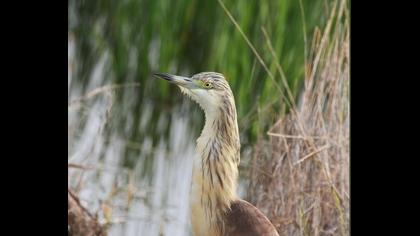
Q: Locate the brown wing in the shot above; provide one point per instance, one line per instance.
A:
(246, 220)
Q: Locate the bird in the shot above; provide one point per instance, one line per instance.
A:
(216, 210)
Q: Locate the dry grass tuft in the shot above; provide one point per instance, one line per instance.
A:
(300, 175)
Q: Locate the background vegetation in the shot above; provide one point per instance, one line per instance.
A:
(280, 58)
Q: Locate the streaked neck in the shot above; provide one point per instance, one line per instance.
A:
(216, 166)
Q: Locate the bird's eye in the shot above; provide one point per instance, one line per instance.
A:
(207, 85)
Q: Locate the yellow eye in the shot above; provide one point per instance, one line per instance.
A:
(207, 85)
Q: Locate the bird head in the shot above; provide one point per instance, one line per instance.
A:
(209, 89)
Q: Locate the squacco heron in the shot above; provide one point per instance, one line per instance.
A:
(215, 208)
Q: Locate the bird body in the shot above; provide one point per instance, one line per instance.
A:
(215, 208)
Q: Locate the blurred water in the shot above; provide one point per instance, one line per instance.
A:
(150, 198)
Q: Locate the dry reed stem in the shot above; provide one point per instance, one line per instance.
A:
(80, 221)
(100, 90)
(300, 173)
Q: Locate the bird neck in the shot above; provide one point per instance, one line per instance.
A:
(216, 167)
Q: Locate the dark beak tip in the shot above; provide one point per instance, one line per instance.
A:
(162, 76)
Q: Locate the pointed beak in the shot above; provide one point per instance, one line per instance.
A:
(175, 79)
